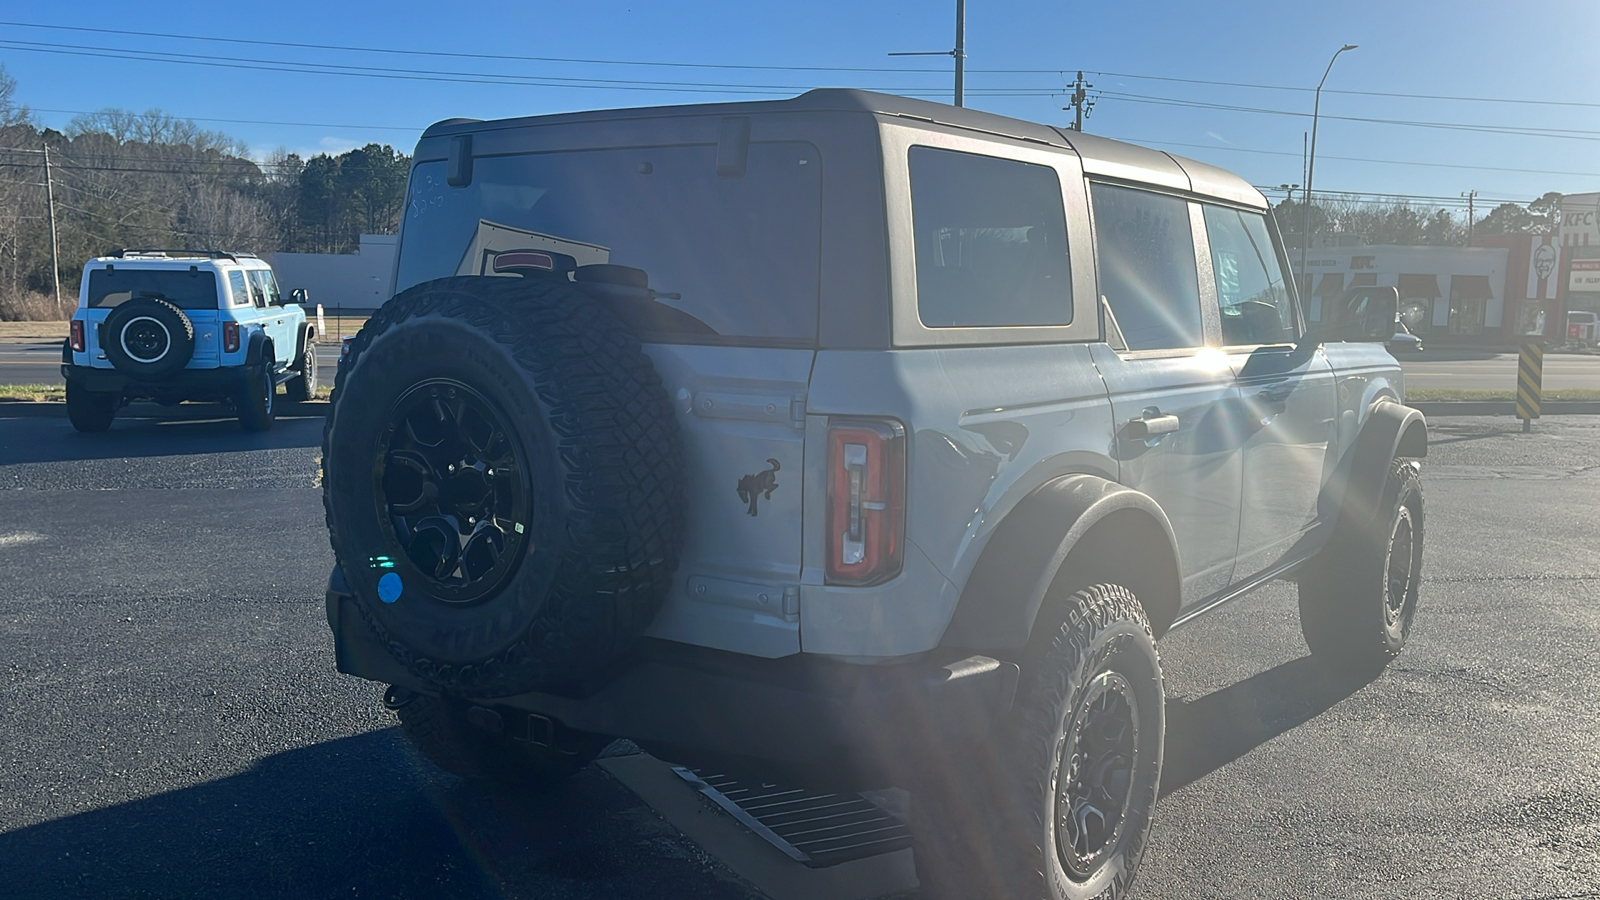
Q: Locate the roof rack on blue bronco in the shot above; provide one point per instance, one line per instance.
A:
(127, 252)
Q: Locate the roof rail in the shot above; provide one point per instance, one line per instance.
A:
(126, 252)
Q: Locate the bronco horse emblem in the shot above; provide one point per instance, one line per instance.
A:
(753, 486)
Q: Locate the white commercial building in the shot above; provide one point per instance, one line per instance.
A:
(1458, 292)
(345, 281)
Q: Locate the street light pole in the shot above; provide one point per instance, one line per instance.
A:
(1311, 163)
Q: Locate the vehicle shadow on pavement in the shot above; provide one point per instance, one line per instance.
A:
(1205, 734)
(361, 817)
(49, 439)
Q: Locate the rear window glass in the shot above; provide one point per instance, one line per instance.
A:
(731, 257)
(183, 288)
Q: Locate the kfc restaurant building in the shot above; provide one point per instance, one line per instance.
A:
(1579, 266)
(1447, 294)
(1496, 292)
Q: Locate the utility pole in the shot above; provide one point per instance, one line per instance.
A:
(1471, 196)
(50, 200)
(961, 50)
(1081, 104)
(959, 53)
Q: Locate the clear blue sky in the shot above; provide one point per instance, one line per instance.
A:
(1547, 52)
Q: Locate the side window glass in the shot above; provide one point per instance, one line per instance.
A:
(238, 289)
(270, 283)
(1144, 251)
(258, 288)
(991, 241)
(1255, 301)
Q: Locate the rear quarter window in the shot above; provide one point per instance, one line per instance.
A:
(183, 288)
(734, 258)
(991, 241)
(239, 290)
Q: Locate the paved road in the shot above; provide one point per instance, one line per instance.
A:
(1486, 371)
(40, 363)
(170, 724)
(37, 363)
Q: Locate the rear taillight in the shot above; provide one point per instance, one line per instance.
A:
(866, 501)
(230, 337)
(78, 344)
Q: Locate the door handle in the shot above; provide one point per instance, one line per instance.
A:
(1152, 424)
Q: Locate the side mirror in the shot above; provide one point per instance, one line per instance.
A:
(298, 295)
(1366, 314)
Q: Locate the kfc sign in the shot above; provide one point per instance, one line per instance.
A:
(1580, 220)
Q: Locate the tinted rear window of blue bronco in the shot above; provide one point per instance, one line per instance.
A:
(183, 288)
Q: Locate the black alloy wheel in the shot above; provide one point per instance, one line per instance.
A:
(258, 397)
(1401, 569)
(1059, 805)
(1358, 597)
(145, 340)
(1094, 777)
(303, 387)
(453, 498)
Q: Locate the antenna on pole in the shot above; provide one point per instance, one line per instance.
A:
(959, 53)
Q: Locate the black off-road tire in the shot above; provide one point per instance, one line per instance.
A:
(91, 412)
(258, 398)
(598, 467)
(303, 387)
(153, 326)
(989, 828)
(1358, 597)
(443, 735)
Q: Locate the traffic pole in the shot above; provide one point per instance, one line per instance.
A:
(1530, 383)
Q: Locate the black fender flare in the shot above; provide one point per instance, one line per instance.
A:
(1392, 431)
(307, 334)
(256, 350)
(1030, 547)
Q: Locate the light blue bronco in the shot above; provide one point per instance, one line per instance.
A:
(175, 325)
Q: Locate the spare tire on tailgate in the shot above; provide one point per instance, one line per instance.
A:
(148, 337)
(501, 472)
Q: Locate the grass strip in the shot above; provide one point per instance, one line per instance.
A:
(1453, 394)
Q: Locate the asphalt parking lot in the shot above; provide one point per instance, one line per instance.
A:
(171, 724)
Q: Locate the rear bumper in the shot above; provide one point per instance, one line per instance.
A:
(802, 718)
(184, 383)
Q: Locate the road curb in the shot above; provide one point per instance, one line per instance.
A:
(1503, 407)
(21, 409)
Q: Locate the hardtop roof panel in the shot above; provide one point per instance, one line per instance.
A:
(1101, 156)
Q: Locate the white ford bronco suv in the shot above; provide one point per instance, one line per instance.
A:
(175, 325)
(855, 441)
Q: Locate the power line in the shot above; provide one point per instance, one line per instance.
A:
(1360, 159)
(1307, 90)
(775, 68)
(90, 112)
(719, 87)
(485, 56)
(1528, 131)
